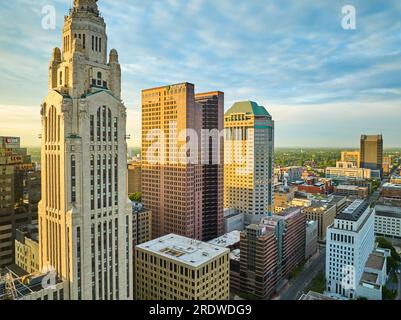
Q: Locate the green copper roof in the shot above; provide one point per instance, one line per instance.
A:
(248, 107)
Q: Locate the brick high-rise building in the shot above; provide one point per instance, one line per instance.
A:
(171, 185)
(269, 252)
(181, 188)
(212, 106)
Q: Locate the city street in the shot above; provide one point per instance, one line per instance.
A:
(293, 290)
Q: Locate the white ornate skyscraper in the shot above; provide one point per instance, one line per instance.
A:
(85, 215)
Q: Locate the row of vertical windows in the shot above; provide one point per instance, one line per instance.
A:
(103, 126)
(79, 274)
(105, 263)
(96, 44)
(104, 186)
(73, 180)
(127, 255)
(82, 37)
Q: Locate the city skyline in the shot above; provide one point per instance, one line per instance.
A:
(305, 68)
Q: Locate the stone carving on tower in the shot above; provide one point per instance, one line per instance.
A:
(84, 215)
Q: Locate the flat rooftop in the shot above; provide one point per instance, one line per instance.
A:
(227, 240)
(235, 255)
(354, 211)
(348, 187)
(369, 277)
(376, 261)
(389, 185)
(388, 211)
(311, 295)
(23, 288)
(184, 250)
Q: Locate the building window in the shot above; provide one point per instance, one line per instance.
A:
(99, 79)
(115, 129)
(92, 170)
(79, 274)
(98, 125)
(73, 179)
(92, 128)
(93, 43)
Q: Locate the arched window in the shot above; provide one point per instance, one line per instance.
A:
(61, 78)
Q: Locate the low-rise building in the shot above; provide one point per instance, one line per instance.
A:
(282, 197)
(16, 284)
(349, 190)
(322, 212)
(311, 295)
(391, 190)
(395, 180)
(374, 277)
(178, 268)
(311, 239)
(289, 174)
(27, 248)
(141, 223)
(388, 221)
(347, 170)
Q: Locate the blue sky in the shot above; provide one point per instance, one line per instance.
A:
(322, 84)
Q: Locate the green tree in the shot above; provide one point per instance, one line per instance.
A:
(136, 197)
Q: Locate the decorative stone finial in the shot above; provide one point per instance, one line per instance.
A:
(113, 56)
(87, 5)
(56, 55)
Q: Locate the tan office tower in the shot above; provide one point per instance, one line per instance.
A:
(134, 177)
(351, 156)
(85, 216)
(212, 108)
(178, 268)
(171, 185)
(248, 158)
(372, 152)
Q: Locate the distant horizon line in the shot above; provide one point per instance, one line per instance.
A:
(278, 147)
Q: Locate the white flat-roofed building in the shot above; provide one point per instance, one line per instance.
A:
(174, 267)
(375, 275)
(350, 241)
(388, 221)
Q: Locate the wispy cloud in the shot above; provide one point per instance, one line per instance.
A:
(292, 56)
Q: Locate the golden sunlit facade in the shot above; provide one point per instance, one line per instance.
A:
(248, 153)
(171, 187)
(85, 216)
(179, 268)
